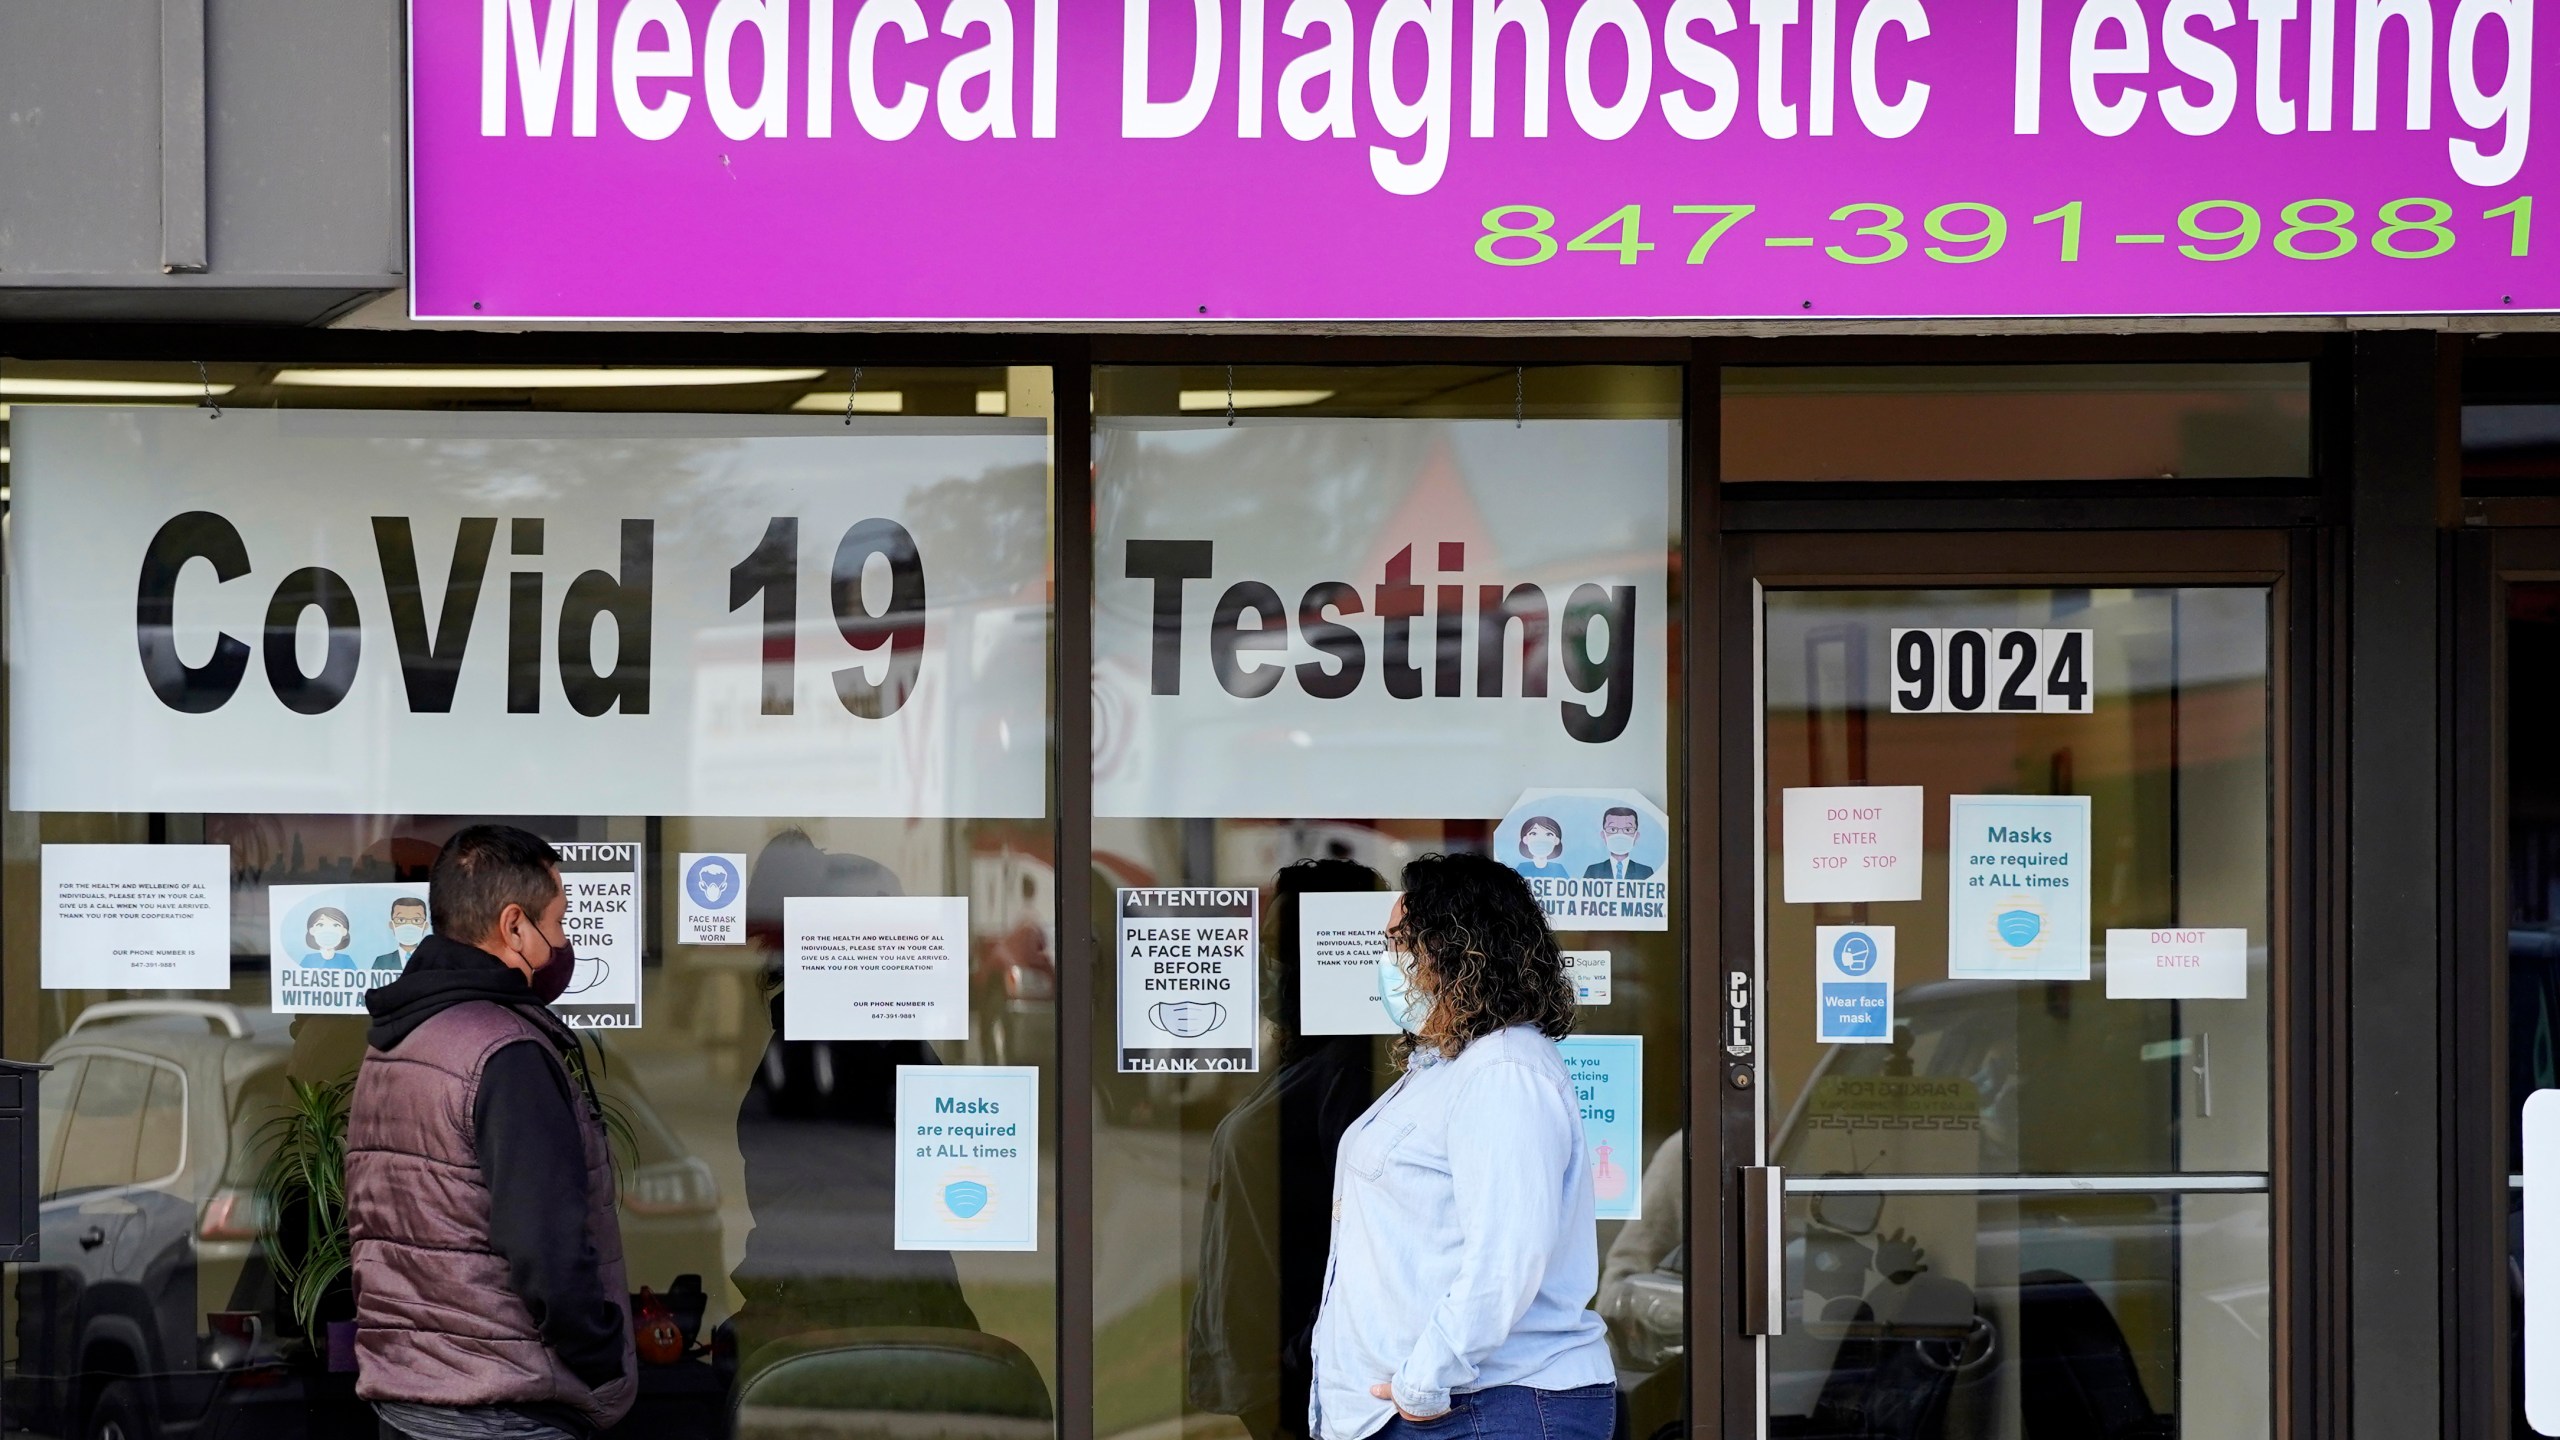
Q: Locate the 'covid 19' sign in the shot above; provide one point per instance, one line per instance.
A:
(634, 615)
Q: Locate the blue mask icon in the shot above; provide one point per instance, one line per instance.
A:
(964, 1198)
(2019, 927)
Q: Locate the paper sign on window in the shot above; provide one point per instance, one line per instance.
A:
(1991, 672)
(2018, 887)
(329, 945)
(136, 917)
(1848, 843)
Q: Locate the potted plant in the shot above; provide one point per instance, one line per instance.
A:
(303, 1190)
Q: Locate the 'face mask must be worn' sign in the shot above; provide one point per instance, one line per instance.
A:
(315, 612)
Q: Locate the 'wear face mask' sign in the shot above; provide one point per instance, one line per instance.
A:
(400, 613)
(1378, 618)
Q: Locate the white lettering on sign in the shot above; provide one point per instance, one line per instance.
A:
(1851, 843)
(2178, 964)
(1853, 984)
(1617, 64)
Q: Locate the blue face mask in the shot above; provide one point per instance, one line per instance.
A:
(1408, 1005)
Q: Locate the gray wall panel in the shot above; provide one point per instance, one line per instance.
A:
(309, 155)
(302, 109)
(80, 136)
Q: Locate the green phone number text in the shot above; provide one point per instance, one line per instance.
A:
(1966, 232)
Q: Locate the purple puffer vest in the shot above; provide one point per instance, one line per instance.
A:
(436, 1323)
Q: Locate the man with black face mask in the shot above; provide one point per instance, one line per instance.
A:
(490, 1300)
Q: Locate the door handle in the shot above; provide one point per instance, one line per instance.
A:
(1764, 1268)
(2203, 1071)
(92, 1238)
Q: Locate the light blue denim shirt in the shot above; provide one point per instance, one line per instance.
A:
(1464, 1250)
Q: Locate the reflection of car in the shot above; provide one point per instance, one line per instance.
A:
(151, 1226)
(1881, 1336)
(146, 1163)
(1013, 976)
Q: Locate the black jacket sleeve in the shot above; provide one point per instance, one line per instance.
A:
(532, 1158)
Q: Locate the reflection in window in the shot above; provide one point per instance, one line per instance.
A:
(1977, 1297)
(2510, 449)
(754, 1172)
(2016, 422)
(2133, 1316)
(106, 1125)
(1350, 629)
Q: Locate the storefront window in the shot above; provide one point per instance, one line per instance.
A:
(2510, 449)
(2532, 809)
(2019, 912)
(771, 675)
(2016, 422)
(1375, 614)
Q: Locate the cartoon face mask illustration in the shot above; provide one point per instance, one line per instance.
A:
(713, 881)
(1187, 1019)
(326, 933)
(2018, 927)
(591, 972)
(964, 1198)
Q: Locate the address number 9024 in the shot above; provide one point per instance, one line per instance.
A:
(2002, 672)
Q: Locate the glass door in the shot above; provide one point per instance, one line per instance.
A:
(2018, 953)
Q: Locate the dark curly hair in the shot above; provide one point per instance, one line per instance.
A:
(1472, 924)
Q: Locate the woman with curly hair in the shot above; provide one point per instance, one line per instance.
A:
(1464, 1249)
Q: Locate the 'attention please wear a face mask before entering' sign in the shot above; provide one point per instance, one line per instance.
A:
(1190, 979)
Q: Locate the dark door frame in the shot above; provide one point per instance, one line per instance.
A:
(2287, 561)
(2487, 563)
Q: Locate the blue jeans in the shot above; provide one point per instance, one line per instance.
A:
(1516, 1412)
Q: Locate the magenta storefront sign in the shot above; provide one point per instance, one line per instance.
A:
(1136, 160)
